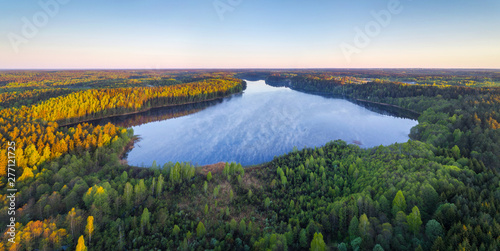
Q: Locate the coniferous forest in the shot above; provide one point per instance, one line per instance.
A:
(74, 190)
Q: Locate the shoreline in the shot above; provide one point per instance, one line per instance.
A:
(203, 168)
(145, 110)
(355, 99)
(386, 104)
(127, 148)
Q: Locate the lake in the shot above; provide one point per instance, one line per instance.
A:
(263, 122)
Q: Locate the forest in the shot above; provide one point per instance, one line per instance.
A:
(438, 191)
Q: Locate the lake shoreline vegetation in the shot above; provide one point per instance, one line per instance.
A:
(438, 191)
(147, 109)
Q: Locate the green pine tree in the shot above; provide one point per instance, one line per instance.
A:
(317, 244)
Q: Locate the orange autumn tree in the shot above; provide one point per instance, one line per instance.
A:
(35, 233)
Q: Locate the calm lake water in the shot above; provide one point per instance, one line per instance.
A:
(261, 123)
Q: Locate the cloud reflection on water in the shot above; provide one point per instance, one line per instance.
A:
(262, 123)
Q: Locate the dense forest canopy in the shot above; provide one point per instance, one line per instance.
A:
(439, 191)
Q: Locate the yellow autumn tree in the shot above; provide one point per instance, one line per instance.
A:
(71, 216)
(27, 173)
(81, 244)
(90, 228)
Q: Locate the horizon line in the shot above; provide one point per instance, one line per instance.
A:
(254, 68)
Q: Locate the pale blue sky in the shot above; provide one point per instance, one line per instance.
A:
(255, 34)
